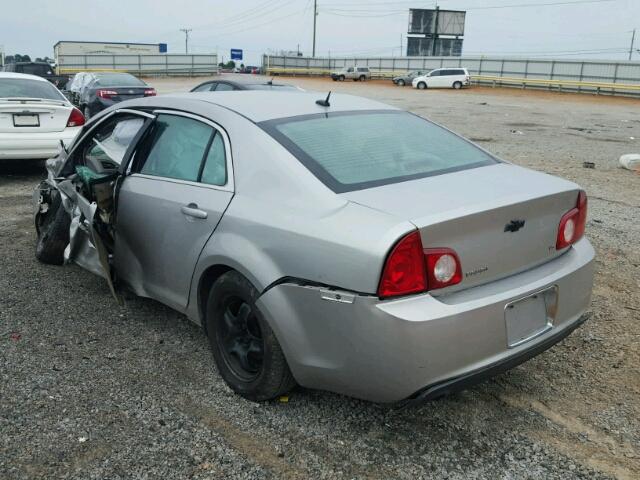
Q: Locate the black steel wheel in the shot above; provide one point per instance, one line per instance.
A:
(245, 349)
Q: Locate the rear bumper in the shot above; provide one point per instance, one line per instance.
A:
(35, 145)
(469, 379)
(386, 351)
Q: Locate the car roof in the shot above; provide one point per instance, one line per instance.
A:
(24, 76)
(262, 105)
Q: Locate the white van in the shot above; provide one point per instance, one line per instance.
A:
(443, 78)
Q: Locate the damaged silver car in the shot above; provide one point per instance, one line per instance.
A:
(337, 243)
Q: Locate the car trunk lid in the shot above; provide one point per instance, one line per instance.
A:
(121, 94)
(33, 115)
(500, 219)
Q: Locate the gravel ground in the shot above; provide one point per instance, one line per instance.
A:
(93, 390)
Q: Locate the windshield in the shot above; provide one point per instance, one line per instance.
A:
(355, 150)
(23, 88)
(118, 80)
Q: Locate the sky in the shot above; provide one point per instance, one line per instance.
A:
(527, 28)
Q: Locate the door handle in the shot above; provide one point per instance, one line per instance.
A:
(192, 210)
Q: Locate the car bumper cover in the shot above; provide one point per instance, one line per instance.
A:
(35, 145)
(387, 351)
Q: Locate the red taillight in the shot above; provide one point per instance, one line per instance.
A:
(572, 223)
(404, 271)
(411, 269)
(76, 118)
(106, 93)
(150, 92)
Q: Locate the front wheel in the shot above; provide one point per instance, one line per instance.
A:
(457, 85)
(245, 349)
(52, 228)
(362, 78)
(422, 85)
(341, 78)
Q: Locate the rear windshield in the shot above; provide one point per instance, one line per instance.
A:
(118, 80)
(23, 88)
(355, 150)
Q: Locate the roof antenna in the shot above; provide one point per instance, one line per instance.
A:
(325, 102)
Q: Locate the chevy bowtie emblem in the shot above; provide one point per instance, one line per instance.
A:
(514, 225)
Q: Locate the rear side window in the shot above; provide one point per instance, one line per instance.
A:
(176, 148)
(224, 87)
(25, 88)
(356, 150)
(215, 166)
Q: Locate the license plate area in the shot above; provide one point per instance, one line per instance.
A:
(26, 120)
(531, 316)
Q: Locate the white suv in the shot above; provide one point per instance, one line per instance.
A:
(443, 78)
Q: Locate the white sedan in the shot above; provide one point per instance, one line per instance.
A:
(34, 117)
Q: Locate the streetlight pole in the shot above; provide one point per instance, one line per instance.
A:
(633, 39)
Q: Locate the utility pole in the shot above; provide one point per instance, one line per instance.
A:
(435, 33)
(400, 44)
(186, 38)
(315, 15)
(633, 39)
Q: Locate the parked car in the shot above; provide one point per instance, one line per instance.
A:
(41, 69)
(341, 244)
(76, 84)
(353, 73)
(407, 78)
(443, 78)
(250, 69)
(105, 89)
(229, 85)
(34, 117)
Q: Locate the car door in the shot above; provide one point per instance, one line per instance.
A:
(100, 151)
(178, 186)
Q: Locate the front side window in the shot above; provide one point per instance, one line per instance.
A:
(224, 87)
(107, 146)
(206, 87)
(435, 73)
(355, 150)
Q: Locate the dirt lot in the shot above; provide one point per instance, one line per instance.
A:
(92, 390)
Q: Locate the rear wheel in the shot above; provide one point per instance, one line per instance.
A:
(401, 83)
(422, 85)
(341, 78)
(457, 85)
(245, 349)
(53, 232)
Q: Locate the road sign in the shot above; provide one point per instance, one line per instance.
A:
(236, 54)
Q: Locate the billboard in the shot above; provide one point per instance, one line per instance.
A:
(423, 47)
(449, 22)
(236, 54)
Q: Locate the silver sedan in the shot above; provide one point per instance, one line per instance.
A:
(340, 244)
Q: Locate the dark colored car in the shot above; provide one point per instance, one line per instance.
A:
(227, 85)
(106, 89)
(41, 69)
(408, 77)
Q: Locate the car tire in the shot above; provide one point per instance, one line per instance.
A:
(362, 78)
(401, 83)
(86, 111)
(245, 349)
(457, 85)
(334, 79)
(422, 86)
(341, 78)
(52, 228)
